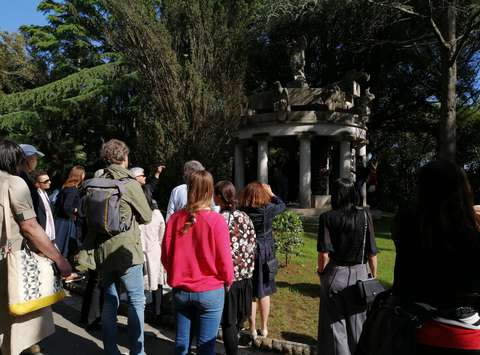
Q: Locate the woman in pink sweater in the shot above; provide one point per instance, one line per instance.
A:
(196, 256)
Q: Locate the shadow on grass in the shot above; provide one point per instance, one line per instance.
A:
(299, 338)
(384, 235)
(306, 289)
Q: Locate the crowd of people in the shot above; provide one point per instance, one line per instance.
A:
(215, 251)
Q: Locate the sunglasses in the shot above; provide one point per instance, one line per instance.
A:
(44, 182)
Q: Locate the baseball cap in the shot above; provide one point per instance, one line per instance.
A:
(30, 150)
(137, 171)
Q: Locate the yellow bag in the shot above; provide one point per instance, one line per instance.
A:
(33, 282)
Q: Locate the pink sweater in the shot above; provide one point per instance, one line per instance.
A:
(199, 260)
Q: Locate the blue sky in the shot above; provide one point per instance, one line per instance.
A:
(14, 13)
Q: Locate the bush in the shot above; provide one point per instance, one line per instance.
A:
(288, 233)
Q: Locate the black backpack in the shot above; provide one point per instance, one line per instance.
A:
(100, 206)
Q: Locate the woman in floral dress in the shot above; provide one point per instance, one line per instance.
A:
(238, 300)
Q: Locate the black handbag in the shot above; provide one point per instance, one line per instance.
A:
(368, 289)
(390, 328)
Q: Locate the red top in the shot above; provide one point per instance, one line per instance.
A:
(441, 335)
(199, 260)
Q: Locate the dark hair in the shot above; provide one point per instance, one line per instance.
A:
(226, 191)
(11, 157)
(254, 195)
(37, 173)
(344, 196)
(444, 204)
(114, 151)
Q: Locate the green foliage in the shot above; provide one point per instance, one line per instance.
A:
(72, 40)
(18, 71)
(288, 232)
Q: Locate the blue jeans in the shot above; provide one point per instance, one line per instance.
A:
(132, 281)
(204, 309)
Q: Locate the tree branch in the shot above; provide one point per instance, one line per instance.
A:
(474, 22)
(435, 29)
(401, 7)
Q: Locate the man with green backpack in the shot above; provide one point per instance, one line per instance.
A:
(112, 207)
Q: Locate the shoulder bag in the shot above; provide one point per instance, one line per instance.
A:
(33, 280)
(368, 289)
(391, 326)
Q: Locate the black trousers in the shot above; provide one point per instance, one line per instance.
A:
(92, 299)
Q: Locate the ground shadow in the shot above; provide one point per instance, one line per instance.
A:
(306, 289)
(66, 342)
(299, 338)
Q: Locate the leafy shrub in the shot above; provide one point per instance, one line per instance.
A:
(288, 233)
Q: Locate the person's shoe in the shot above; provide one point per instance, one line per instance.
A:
(33, 350)
(253, 334)
(74, 277)
(263, 333)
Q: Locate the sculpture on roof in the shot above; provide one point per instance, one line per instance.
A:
(296, 51)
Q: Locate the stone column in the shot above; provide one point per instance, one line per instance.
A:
(362, 153)
(353, 154)
(239, 166)
(262, 159)
(345, 159)
(305, 178)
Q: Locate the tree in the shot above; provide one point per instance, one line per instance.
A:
(190, 55)
(453, 24)
(288, 231)
(72, 40)
(17, 70)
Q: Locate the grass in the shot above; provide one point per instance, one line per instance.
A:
(294, 314)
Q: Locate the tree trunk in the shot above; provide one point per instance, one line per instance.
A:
(447, 142)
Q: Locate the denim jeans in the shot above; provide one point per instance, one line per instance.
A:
(204, 309)
(132, 281)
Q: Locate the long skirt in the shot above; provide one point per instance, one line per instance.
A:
(341, 317)
(263, 281)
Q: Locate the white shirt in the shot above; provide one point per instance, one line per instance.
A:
(50, 224)
(178, 200)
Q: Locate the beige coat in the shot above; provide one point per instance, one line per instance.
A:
(152, 236)
(20, 332)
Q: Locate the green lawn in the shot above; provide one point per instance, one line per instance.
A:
(294, 313)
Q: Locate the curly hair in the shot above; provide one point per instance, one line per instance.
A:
(114, 151)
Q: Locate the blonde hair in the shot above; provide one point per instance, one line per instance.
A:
(75, 176)
(199, 196)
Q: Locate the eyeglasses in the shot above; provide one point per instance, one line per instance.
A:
(44, 182)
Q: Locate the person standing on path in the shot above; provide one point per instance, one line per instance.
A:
(178, 196)
(261, 205)
(119, 258)
(196, 254)
(45, 209)
(152, 236)
(238, 299)
(20, 332)
(346, 253)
